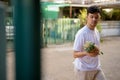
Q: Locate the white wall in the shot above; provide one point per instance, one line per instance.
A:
(110, 28)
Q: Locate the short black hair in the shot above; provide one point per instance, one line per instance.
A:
(93, 9)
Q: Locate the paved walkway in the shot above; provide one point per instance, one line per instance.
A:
(57, 61)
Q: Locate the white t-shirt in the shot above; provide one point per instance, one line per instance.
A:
(86, 63)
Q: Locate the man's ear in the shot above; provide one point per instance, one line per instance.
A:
(86, 16)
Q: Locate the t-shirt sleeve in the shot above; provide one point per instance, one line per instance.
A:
(78, 42)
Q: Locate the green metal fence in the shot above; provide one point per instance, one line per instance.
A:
(58, 31)
(55, 31)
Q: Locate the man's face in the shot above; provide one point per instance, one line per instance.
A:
(92, 19)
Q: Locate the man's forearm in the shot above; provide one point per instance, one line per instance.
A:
(78, 54)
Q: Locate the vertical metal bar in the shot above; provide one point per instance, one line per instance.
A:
(27, 39)
(41, 31)
(63, 29)
(46, 32)
(2, 43)
(55, 32)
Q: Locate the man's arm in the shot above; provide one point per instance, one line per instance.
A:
(78, 54)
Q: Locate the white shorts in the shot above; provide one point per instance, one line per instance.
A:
(89, 75)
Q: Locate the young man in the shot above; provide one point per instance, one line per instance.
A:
(87, 65)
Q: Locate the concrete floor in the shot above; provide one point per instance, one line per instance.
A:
(57, 61)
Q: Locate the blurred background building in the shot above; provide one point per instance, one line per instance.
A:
(60, 18)
(74, 5)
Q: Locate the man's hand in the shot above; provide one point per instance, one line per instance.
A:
(94, 52)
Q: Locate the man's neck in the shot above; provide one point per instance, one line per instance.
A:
(90, 27)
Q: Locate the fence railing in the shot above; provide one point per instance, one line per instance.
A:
(9, 32)
(58, 31)
(55, 31)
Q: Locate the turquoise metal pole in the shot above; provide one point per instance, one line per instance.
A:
(27, 39)
(46, 32)
(2, 42)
